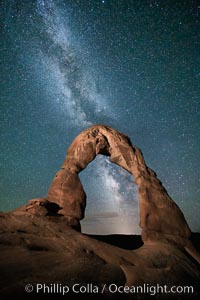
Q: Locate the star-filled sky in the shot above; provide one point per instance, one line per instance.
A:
(133, 65)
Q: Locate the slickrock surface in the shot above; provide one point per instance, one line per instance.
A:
(38, 246)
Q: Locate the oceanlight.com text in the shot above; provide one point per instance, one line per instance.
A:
(62, 289)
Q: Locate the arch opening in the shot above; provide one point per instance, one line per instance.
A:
(112, 206)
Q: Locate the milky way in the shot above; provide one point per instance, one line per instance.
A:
(70, 64)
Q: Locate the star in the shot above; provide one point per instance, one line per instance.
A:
(64, 72)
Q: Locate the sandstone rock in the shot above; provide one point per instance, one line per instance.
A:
(38, 243)
(155, 204)
(38, 248)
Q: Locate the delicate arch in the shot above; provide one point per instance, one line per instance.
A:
(160, 217)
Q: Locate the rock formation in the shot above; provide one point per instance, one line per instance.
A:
(37, 246)
(38, 243)
(160, 217)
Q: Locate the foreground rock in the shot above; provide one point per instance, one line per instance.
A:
(38, 247)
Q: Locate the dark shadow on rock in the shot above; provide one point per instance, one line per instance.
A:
(195, 238)
(52, 208)
(128, 242)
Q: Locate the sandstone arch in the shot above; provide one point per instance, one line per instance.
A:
(160, 217)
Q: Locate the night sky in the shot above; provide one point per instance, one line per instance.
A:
(133, 65)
